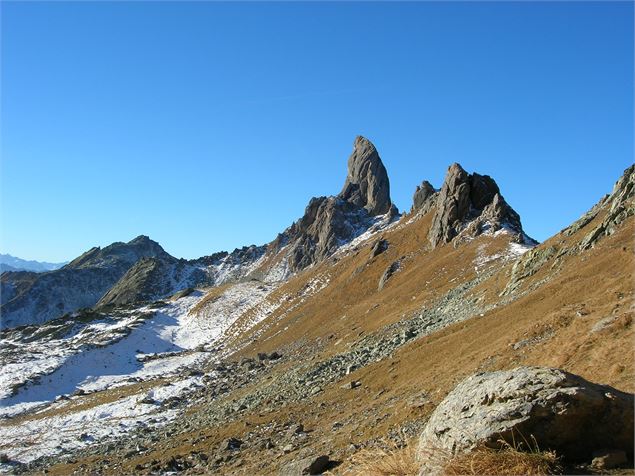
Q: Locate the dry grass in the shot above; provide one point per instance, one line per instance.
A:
(212, 295)
(505, 461)
(394, 461)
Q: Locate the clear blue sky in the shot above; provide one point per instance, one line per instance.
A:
(209, 126)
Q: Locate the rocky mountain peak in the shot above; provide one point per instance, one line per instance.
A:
(470, 204)
(330, 222)
(367, 182)
(141, 240)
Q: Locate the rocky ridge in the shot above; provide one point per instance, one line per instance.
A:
(121, 273)
(35, 298)
(613, 209)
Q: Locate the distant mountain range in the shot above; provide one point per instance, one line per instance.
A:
(11, 263)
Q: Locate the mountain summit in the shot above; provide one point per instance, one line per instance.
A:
(367, 182)
(330, 222)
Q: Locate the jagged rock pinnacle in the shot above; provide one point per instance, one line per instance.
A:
(469, 198)
(367, 181)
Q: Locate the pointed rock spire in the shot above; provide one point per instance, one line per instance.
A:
(367, 183)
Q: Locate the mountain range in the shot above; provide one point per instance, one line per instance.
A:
(11, 263)
(347, 331)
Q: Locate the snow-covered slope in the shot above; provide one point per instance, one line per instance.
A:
(51, 371)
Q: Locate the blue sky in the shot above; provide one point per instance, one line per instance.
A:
(210, 125)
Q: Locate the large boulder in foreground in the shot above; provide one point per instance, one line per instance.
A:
(561, 411)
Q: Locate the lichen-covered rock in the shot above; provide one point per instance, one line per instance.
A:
(553, 408)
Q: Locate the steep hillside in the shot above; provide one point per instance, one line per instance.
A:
(119, 274)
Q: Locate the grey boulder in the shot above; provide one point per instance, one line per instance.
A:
(549, 407)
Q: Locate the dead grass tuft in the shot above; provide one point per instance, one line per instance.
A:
(394, 461)
(505, 461)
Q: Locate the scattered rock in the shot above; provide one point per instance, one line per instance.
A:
(148, 400)
(232, 444)
(608, 459)
(308, 466)
(378, 248)
(352, 385)
(4, 458)
(392, 269)
(318, 465)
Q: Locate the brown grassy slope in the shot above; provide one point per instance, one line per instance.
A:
(351, 305)
(551, 326)
(579, 319)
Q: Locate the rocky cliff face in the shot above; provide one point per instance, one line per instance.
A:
(469, 205)
(330, 222)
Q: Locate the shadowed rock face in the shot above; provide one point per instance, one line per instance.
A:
(469, 204)
(367, 183)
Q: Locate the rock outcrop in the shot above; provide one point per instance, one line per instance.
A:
(558, 410)
(619, 205)
(330, 222)
(387, 274)
(367, 184)
(470, 204)
(424, 198)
